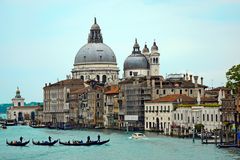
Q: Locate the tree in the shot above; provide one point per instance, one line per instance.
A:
(233, 78)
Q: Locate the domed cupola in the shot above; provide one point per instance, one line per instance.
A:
(136, 60)
(95, 51)
(145, 49)
(154, 47)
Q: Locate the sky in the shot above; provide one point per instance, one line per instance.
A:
(40, 39)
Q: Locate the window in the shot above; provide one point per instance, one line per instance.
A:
(157, 108)
(157, 60)
(150, 125)
(164, 92)
(98, 96)
(203, 117)
(192, 119)
(157, 91)
(19, 103)
(190, 91)
(153, 108)
(164, 108)
(174, 116)
(216, 117)
(207, 117)
(146, 108)
(188, 119)
(211, 117)
(161, 109)
(181, 116)
(178, 116)
(104, 78)
(180, 91)
(168, 108)
(98, 104)
(149, 108)
(146, 124)
(130, 73)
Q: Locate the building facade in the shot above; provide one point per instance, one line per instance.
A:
(21, 113)
(56, 106)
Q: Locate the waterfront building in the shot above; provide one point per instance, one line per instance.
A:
(134, 92)
(19, 112)
(138, 64)
(111, 108)
(158, 112)
(91, 105)
(56, 107)
(95, 60)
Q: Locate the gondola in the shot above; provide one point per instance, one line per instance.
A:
(228, 146)
(83, 144)
(37, 126)
(45, 143)
(102, 142)
(78, 143)
(17, 143)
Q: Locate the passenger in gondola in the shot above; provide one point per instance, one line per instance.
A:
(21, 138)
(98, 137)
(81, 141)
(50, 138)
(88, 139)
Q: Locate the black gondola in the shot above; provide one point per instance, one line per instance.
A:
(45, 143)
(83, 144)
(17, 143)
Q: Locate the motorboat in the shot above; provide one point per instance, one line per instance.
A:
(138, 135)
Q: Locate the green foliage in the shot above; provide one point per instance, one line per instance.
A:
(233, 78)
(198, 127)
(204, 105)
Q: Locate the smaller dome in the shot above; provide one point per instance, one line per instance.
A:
(154, 47)
(145, 49)
(136, 61)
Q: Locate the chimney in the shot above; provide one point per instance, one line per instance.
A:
(195, 81)
(201, 80)
(190, 78)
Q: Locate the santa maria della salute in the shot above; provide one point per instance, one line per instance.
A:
(97, 61)
(94, 96)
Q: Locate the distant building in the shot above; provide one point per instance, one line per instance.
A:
(19, 112)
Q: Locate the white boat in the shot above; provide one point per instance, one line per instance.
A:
(138, 135)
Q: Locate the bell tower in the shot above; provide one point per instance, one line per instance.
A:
(154, 60)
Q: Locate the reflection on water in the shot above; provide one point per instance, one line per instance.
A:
(120, 147)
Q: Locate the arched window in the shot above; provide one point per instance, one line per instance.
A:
(19, 103)
(157, 60)
(153, 60)
(98, 78)
(104, 78)
(82, 78)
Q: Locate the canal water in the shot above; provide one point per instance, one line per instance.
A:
(120, 147)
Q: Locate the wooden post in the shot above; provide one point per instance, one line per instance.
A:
(215, 137)
(202, 135)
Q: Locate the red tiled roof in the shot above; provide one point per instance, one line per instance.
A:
(112, 90)
(174, 98)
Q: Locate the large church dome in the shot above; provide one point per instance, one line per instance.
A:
(95, 51)
(136, 60)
